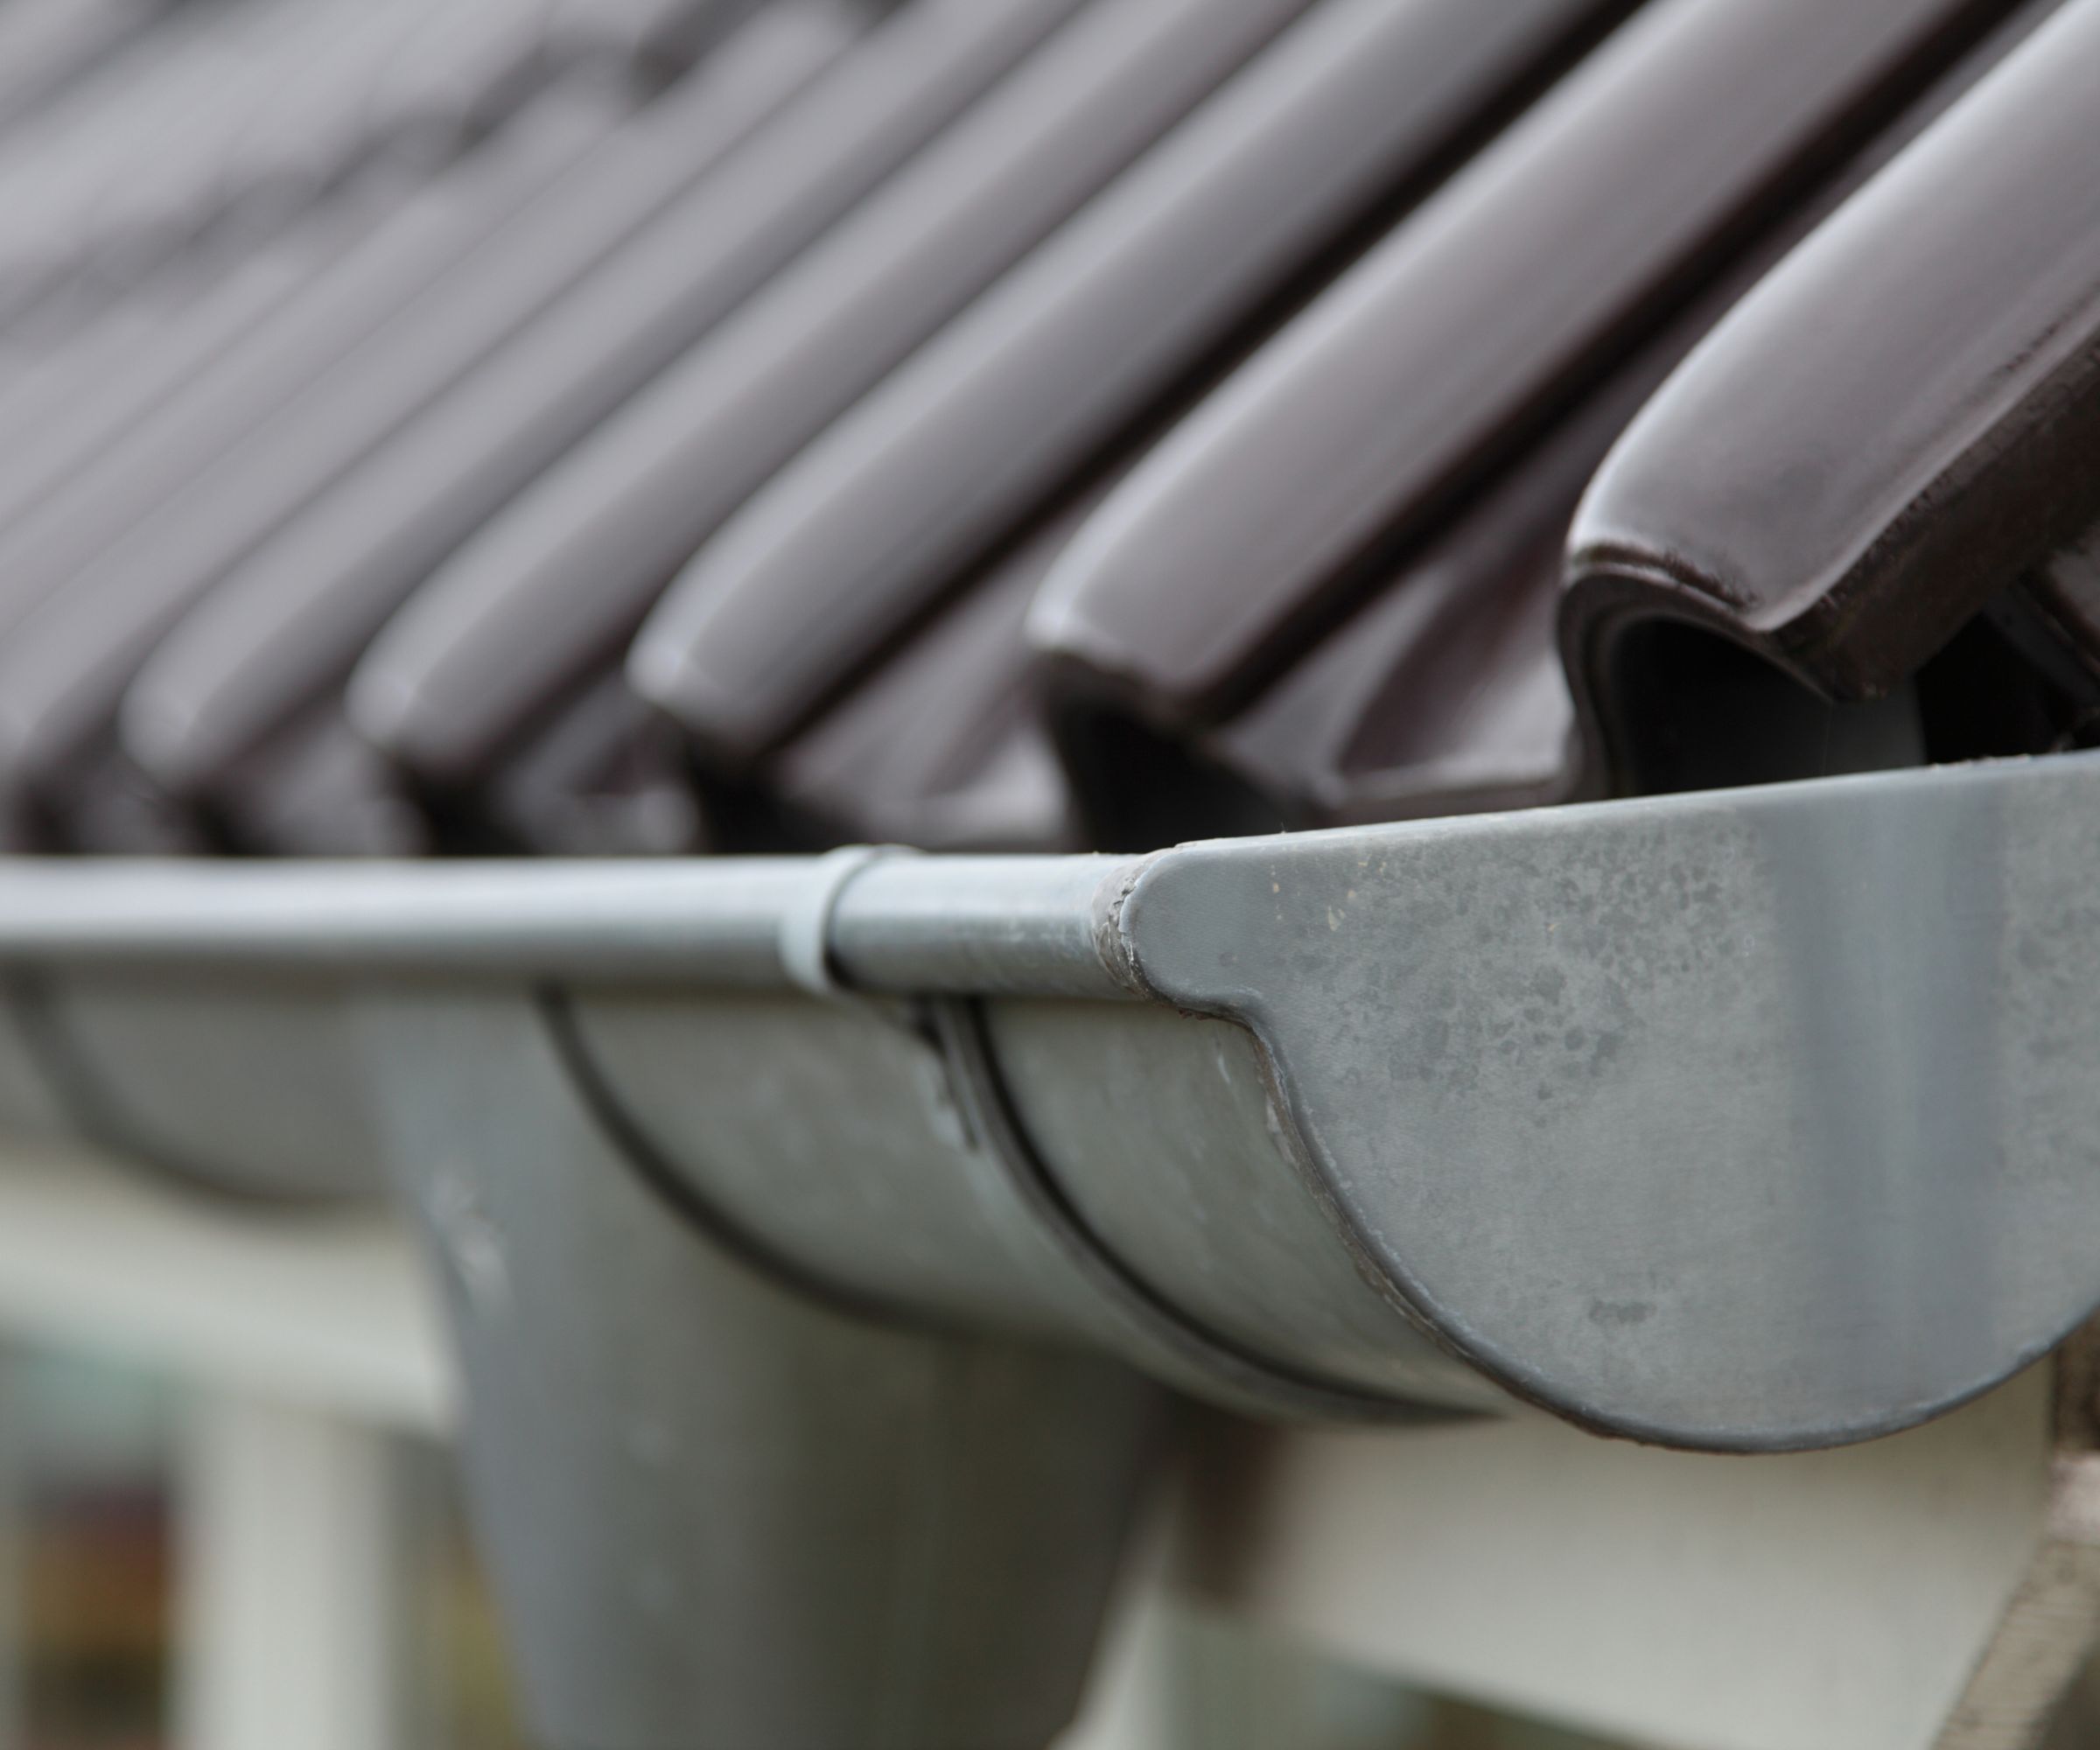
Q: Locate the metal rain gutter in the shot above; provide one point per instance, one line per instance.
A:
(1767, 1044)
(776, 1192)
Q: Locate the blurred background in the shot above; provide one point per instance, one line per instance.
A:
(91, 1549)
(91, 1540)
(91, 1534)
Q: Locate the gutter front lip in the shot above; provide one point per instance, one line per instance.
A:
(903, 925)
(926, 926)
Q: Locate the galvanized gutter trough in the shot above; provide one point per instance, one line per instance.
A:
(786, 1203)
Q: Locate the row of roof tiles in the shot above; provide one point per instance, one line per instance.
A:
(1027, 423)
